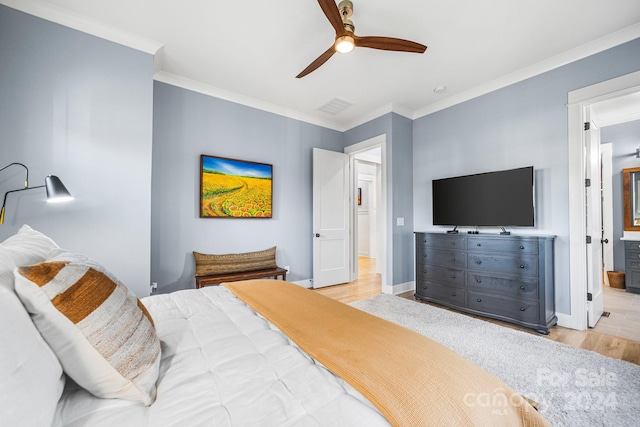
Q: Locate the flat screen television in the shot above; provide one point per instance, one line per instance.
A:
(500, 198)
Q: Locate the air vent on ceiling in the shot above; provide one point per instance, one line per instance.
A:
(335, 106)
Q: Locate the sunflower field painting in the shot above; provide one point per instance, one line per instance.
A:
(231, 188)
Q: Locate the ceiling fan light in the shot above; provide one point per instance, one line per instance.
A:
(344, 44)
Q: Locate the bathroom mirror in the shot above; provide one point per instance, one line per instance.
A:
(631, 196)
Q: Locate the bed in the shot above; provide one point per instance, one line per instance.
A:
(254, 353)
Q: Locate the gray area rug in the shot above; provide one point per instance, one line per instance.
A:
(574, 387)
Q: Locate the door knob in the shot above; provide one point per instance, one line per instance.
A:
(317, 235)
(605, 241)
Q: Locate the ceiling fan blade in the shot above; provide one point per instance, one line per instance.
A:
(318, 62)
(389, 43)
(332, 13)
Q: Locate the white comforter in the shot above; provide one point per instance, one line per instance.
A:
(224, 365)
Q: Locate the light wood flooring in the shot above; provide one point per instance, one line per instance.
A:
(598, 339)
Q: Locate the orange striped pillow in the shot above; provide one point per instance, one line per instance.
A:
(102, 334)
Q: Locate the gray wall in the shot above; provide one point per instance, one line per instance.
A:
(625, 139)
(81, 108)
(398, 131)
(86, 109)
(188, 124)
(520, 125)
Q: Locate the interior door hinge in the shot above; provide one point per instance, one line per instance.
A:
(589, 296)
(587, 182)
(588, 239)
(587, 125)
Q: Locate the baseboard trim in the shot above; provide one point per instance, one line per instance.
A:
(307, 283)
(399, 288)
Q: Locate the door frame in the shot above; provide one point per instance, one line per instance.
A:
(384, 240)
(579, 101)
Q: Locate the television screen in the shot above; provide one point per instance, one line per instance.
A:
(501, 198)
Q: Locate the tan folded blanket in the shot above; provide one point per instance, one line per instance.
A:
(411, 379)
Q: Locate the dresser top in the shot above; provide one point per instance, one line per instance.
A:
(487, 235)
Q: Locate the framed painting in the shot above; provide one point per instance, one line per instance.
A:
(231, 188)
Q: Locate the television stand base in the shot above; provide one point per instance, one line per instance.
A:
(504, 232)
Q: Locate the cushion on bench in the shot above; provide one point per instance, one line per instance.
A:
(210, 264)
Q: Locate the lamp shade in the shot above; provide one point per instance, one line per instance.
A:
(56, 191)
(344, 44)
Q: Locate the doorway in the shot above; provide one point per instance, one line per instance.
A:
(620, 139)
(368, 161)
(582, 105)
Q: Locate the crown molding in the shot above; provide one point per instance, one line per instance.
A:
(81, 23)
(216, 92)
(78, 22)
(614, 39)
(377, 113)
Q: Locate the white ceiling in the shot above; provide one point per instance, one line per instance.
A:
(250, 51)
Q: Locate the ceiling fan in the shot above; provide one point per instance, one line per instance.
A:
(346, 39)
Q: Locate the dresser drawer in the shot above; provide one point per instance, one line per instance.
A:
(632, 255)
(527, 246)
(446, 294)
(632, 279)
(519, 265)
(518, 288)
(631, 245)
(526, 311)
(442, 257)
(632, 264)
(432, 273)
(443, 241)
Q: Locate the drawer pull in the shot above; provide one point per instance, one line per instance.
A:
(522, 247)
(424, 256)
(521, 265)
(478, 262)
(522, 308)
(478, 244)
(424, 271)
(453, 294)
(523, 288)
(478, 281)
(453, 258)
(479, 300)
(453, 243)
(453, 276)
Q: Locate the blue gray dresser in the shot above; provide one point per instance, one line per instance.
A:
(508, 278)
(632, 266)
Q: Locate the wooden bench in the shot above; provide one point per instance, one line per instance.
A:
(216, 279)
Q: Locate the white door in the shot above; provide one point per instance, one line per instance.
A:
(330, 218)
(595, 303)
(606, 153)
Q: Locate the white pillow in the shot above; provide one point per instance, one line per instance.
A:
(26, 247)
(102, 334)
(30, 375)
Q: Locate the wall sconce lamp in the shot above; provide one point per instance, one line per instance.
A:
(56, 191)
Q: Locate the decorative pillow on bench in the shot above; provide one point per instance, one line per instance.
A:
(102, 334)
(210, 264)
